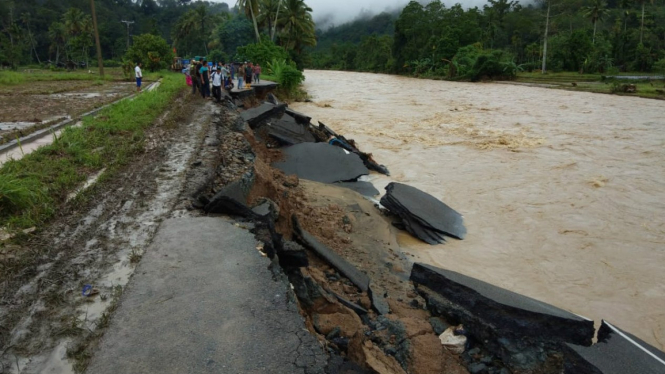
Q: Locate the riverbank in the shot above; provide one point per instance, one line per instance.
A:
(560, 190)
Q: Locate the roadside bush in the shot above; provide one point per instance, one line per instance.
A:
(112, 63)
(262, 53)
(152, 51)
(290, 78)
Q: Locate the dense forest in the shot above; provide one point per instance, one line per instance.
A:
(40, 31)
(424, 38)
(501, 38)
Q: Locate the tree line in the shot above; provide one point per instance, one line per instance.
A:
(500, 39)
(60, 31)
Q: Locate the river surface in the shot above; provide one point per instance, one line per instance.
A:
(563, 193)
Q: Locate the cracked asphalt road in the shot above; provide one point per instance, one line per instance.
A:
(202, 300)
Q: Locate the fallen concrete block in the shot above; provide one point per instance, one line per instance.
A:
(321, 162)
(617, 352)
(360, 279)
(363, 188)
(289, 132)
(424, 216)
(265, 111)
(509, 314)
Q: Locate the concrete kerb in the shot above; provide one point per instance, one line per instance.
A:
(46, 131)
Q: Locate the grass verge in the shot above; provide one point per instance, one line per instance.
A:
(654, 89)
(13, 78)
(32, 188)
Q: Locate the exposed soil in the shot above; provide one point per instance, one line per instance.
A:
(400, 342)
(96, 239)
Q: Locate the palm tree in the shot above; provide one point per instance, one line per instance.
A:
(25, 17)
(643, 2)
(269, 15)
(625, 4)
(297, 25)
(251, 8)
(596, 12)
(196, 20)
(58, 35)
(73, 20)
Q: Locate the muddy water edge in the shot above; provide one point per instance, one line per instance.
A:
(563, 192)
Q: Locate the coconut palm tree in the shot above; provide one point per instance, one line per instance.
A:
(25, 18)
(597, 11)
(58, 35)
(625, 5)
(643, 2)
(297, 25)
(269, 15)
(251, 9)
(74, 21)
(196, 20)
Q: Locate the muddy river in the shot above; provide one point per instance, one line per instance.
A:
(563, 193)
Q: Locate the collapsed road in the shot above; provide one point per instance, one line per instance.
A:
(269, 271)
(369, 308)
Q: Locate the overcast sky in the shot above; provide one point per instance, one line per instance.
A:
(340, 11)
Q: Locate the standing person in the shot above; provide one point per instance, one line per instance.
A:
(139, 76)
(217, 84)
(241, 77)
(194, 73)
(233, 71)
(225, 73)
(248, 72)
(257, 73)
(205, 80)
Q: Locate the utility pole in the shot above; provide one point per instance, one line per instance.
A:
(128, 23)
(547, 30)
(100, 62)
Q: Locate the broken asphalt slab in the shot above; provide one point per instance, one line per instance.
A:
(321, 162)
(290, 132)
(617, 352)
(202, 300)
(263, 112)
(509, 313)
(363, 188)
(360, 279)
(424, 216)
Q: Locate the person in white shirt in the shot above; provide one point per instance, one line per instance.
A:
(139, 76)
(217, 84)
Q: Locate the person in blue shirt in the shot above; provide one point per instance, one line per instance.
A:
(205, 80)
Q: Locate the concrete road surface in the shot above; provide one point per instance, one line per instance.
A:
(203, 301)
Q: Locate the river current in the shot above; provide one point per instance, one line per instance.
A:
(563, 193)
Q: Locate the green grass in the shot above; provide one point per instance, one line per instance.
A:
(13, 78)
(32, 188)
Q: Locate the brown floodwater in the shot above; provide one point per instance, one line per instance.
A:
(563, 193)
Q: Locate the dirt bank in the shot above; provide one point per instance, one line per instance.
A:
(562, 192)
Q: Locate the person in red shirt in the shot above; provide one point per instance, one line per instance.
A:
(257, 73)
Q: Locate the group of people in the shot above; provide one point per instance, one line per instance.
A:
(201, 75)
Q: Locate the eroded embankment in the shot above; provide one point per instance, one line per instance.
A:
(367, 304)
